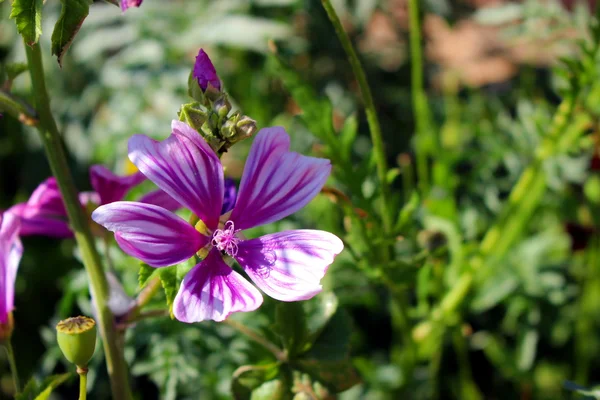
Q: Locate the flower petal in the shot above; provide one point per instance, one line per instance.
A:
(288, 266)
(44, 213)
(276, 182)
(125, 4)
(111, 187)
(212, 290)
(160, 198)
(11, 251)
(230, 196)
(148, 232)
(185, 167)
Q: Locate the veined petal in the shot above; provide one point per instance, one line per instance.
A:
(186, 169)
(212, 290)
(288, 266)
(160, 198)
(35, 222)
(46, 199)
(111, 187)
(276, 182)
(150, 233)
(11, 251)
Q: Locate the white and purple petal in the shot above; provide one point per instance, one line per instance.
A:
(212, 291)
(276, 182)
(150, 233)
(11, 251)
(185, 167)
(289, 266)
(111, 187)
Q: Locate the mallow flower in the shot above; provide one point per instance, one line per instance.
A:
(45, 213)
(11, 251)
(287, 266)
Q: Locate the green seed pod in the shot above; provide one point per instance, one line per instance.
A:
(76, 338)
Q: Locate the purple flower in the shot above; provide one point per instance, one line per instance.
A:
(44, 213)
(111, 187)
(205, 72)
(11, 251)
(125, 4)
(287, 266)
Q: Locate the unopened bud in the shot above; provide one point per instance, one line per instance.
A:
(245, 128)
(193, 115)
(76, 338)
(222, 106)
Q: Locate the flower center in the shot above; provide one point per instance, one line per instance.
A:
(225, 239)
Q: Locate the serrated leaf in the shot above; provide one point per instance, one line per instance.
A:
(249, 377)
(290, 323)
(168, 279)
(72, 15)
(42, 391)
(28, 16)
(144, 274)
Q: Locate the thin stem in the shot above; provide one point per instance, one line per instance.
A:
(370, 110)
(13, 365)
(424, 140)
(115, 362)
(17, 108)
(143, 298)
(82, 384)
(277, 352)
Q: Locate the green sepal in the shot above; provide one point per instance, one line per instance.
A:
(28, 17)
(72, 15)
(144, 274)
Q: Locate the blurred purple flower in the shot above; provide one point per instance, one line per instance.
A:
(230, 195)
(287, 266)
(125, 4)
(11, 251)
(205, 72)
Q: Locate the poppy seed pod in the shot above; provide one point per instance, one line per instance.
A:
(76, 338)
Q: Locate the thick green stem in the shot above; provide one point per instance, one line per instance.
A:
(115, 362)
(370, 110)
(82, 385)
(424, 140)
(13, 365)
(17, 108)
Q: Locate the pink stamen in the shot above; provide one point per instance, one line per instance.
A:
(225, 239)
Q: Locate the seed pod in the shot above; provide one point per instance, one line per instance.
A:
(76, 338)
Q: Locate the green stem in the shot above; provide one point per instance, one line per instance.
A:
(82, 384)
(17, 108)
(115, 362)
(13, 365)
(372, 119)
(424, 140)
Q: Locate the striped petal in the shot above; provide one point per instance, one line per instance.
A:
(160, 198)
(11, 251)
(212, 291)
(289, 266)
(111, 187)
(150, 233)
(185, 167)
(276, 182)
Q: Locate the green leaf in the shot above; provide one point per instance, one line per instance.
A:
(72, 15)
(305, 387)
(271, 390)
(42, 391)
(319, 311)
(348, 135)
(247, 378)
(144, 274)
(168, 279)
(328, 360)
(28, 16)
(290, 323)
(317, 112)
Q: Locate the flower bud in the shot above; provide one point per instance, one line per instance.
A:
(76, 338)
(193, 115)
(205, 73)
(222, 106)
(245, 128)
